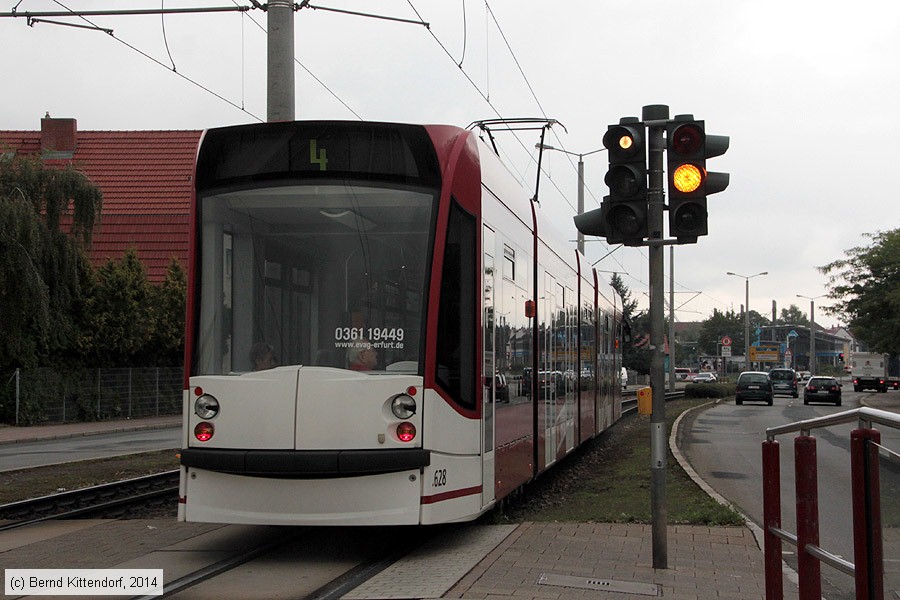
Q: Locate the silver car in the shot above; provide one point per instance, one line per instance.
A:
(705, 378)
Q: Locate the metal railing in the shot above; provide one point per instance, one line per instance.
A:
(55, 396)
(868, 554)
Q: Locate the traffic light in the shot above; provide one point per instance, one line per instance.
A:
(625, 214)
(842, 357)
(622, 216)
(688, 147)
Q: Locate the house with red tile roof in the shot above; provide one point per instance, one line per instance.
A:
(146, 180)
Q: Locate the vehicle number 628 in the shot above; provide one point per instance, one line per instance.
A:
(440, 478)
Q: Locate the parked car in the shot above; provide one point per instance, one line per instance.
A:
(705, 378)
(754, 385)
(784, 381)
(822, 389)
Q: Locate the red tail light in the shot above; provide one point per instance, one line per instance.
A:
(204, 431)
(406, 431)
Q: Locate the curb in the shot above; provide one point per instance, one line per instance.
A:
(755, 529)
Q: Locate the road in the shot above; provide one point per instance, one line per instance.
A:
(723, 444)
(26, 455)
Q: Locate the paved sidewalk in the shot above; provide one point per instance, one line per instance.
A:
(614, 561)
(12, 434)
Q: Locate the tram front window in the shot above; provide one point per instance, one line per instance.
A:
(317, 274)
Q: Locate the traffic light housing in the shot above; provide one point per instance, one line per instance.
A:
(622, 216)
(687, 148)
(625, 214)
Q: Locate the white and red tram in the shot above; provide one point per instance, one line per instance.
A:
(429, 346)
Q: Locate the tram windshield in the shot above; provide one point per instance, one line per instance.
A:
(329, 275)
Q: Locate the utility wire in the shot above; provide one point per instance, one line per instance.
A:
(145, 55)
(162, 20)
(465, 35)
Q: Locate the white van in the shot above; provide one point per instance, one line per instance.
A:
(684, 373)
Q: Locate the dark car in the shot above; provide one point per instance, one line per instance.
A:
(784, 381)
(822, 389)
(502, 387)
(754, 385)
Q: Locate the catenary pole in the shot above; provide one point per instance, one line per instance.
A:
(280, 61)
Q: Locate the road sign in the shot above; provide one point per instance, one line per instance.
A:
(764, 353)
(726, 341)
(726, 350)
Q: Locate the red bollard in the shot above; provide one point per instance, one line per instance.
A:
(806, 474)
(771, 466)
(868, 552)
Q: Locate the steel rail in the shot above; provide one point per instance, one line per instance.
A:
(95, 499)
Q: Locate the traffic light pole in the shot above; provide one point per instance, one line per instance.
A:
(632, 214)
(655, 116)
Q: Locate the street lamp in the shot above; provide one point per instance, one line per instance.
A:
(747, 279)
(812, 331)
(580, 181)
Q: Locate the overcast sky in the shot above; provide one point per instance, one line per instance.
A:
(807, 91)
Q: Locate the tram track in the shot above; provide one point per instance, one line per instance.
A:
(106, 499)
(321, 553)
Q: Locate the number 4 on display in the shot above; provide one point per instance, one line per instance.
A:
(317, 159)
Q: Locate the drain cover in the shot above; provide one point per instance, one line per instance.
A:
(606, 585)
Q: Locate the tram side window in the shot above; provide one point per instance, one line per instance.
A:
(456, 317)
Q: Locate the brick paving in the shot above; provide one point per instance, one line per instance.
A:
(531, 561)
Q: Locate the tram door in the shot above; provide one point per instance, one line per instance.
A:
(488, 368)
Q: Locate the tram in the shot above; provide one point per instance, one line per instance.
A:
(381, 329)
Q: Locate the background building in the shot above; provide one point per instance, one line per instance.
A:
(146, 181)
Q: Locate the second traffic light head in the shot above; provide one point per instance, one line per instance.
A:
(688, 147)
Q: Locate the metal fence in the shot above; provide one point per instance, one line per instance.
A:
(54, 396)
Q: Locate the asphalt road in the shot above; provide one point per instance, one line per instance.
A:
(26, 455)
(723, 443)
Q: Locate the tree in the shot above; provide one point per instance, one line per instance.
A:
(629, 306)
(167, 301)
(41, 269)
(718, 325)
(635, 357)
(792, 316)
(865, 287)
(119, 311)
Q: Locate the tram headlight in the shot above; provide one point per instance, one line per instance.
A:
(406, 431)
(206, 406)
(403, 406)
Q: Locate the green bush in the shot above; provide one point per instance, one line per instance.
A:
(708, 390)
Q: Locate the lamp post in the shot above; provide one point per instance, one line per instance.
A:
(747, 279)
(812, 331)
(580, 181)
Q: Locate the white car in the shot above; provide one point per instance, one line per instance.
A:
(705, 378)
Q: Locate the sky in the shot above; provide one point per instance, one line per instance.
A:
(808, 92)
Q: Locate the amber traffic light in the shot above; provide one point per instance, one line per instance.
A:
(688, 147)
